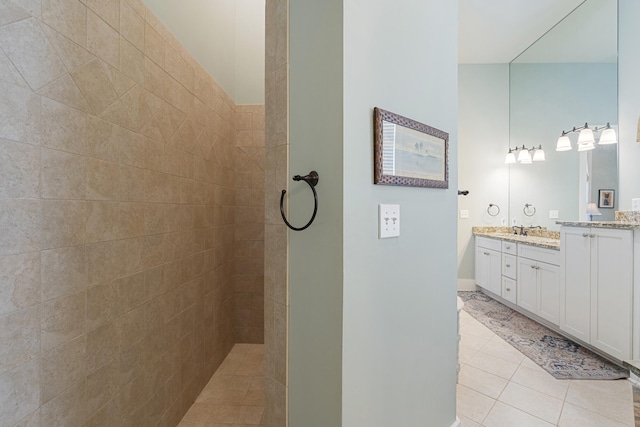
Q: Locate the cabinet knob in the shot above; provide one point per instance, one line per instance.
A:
(508, 265)
(508, 246)
(533, 266)
(508, 289)
(592, 235)
(487, 253)
(585, 234)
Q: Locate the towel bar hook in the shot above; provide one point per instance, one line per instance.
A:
(311, 179)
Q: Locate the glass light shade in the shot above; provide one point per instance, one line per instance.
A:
(608, 137)
(586, 147)
(538, 156)
(563, 144)
(524, 156)
(586, 136)
(510, 158)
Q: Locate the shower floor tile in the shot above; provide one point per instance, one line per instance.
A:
(234, 397)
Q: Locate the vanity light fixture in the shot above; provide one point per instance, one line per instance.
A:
(524, 155)
(538, 155)
(564, 143)
(586, 136)
(608, 136)
(586, 139)
(511, 158)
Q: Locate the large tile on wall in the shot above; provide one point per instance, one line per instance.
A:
(113, 172)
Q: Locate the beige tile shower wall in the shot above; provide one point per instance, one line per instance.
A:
(117, 191)
(249, 221)
(276, 298)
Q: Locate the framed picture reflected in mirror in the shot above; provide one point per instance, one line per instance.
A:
(606, 199)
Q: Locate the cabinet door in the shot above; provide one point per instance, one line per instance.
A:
(548, 292)
(575, 277)
(527, 284)
(495, 272)
(489, 269)
(612, 291)
(482, 267)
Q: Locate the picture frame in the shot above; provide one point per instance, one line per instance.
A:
(409, 153)
(606, 199)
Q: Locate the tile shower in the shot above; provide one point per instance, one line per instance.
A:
(131, 192)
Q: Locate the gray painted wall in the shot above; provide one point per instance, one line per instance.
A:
(399, 306)
(316, 254)
(369, 318)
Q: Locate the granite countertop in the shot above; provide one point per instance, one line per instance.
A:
(621, 225)
(536, 237)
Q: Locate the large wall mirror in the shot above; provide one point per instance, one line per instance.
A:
(565, 79)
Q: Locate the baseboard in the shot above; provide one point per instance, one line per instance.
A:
(467, 285)
(456, 423)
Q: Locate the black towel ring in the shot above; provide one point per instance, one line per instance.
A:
(312, 180)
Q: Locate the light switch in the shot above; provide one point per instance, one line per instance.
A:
(553, 214)
(388, 221)
(464, 213)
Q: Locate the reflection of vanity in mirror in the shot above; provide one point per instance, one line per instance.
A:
(565, 79)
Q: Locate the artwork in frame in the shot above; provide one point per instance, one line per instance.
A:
(606, 198)
(409, 153)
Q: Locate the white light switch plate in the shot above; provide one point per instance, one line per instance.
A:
(388, 221)
(553, 214)
(464, 213)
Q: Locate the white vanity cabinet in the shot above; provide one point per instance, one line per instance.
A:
(489, 264)
(596, 287)
(539, 282)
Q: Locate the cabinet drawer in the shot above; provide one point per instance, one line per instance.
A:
(509, 266)
(488, 243)
(509, 289)
(549, 256)
(509, 248)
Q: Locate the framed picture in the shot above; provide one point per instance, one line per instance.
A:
(409, 153)
(606, 198)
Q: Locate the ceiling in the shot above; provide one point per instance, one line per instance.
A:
(498, 31)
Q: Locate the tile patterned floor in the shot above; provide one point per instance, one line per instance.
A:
(234, 397)
(500, 387)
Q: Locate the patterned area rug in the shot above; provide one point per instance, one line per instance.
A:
(561, 357)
